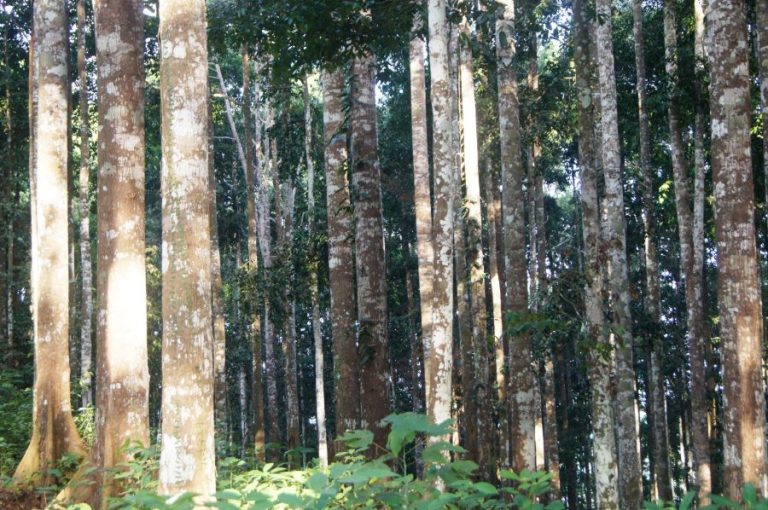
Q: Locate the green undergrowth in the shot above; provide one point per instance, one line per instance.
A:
(353, 481)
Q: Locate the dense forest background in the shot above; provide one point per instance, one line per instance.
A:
(544, 220)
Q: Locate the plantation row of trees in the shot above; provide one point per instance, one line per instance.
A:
(264, 223)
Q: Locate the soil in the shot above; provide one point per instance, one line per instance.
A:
(15, 500)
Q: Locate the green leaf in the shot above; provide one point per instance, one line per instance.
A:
(357, 439)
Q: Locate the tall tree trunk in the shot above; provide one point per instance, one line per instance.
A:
(628, 446)
(599, 372)
(285, 241)
(217, 304)
(53, 429)
(6, 264)
(741, 322)
(370, 266)
(422, 198)
(86, 310)
(661, 480)
(253, 252)
(122, 373)
(698, 337)
(340, 258)
(317, 331)
(187, 458)
(522, 380)
(438, 348)
(499, 355)
(474, 243)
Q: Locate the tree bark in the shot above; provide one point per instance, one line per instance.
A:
(522, 401)
(422, 197)
(599, 372)
(741, 322)
(370, 266)
(628, 446)
(317, 332)
(340, 258)
(217, 304)
(187, 458)
(698, 337)
(438, 349)
(474, 243)
(53, 429)
(122, 374)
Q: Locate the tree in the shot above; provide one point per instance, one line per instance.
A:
(522, 401)
(438, 349)
(741, 322)
(614, 229)
(478, 374)
(656, 401)
(122, 376)
(340, 259)
(317, 333)
(603, 421)
(698, 340)
(370, 266)
(761, 30)
(187, 460)
(53, 428)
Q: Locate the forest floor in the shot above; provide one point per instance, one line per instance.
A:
(15, 500)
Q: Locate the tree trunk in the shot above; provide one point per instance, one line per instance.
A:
(253, 253)
(122, 374)
(217, 305)
(599, 371)
(53, 429)
(86, 351)
(474, 244)
(698, 337)
(422, 198)
(340, 258)
(741, 322)
(317, 332)
(522, 401)
(187, 458)
(628, 446)
(285, 241)
(438, 349)
(370, 266)
(661, 480)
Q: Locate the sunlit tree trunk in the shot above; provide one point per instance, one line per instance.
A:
(187, 460)
(474, 242)
(373, 344)
(522, 401)
(697, 333)
(490, 191)
(438, 349)
(53, 429)
(628, 446)
(84, 188)
(340, 258)
(422, 197)
(603, 421)
(317, 331)
(122, 373)
(741, 322)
